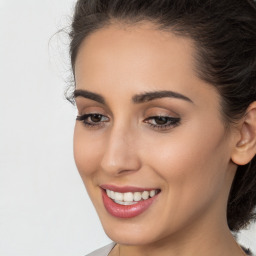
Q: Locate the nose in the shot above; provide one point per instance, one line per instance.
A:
(120, 153)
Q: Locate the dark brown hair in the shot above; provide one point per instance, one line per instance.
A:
(224, 32)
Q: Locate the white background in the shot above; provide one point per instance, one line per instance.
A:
(44, 209)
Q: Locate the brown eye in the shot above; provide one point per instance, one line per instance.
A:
(96, 118)
(93, 120)
(161, 120)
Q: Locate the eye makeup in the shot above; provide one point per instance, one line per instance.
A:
(93, 120)
(159, 122)
(162, 122)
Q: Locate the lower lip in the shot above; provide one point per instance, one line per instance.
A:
(126, 211)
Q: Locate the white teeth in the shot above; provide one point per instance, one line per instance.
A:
(145, 195)
(119, 196)
(112, 194)
(137, 196)
(152, 193)
(129, 198)
(125, 203)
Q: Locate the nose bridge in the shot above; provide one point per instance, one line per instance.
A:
(120, 151)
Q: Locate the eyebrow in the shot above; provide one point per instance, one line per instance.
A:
(148, 96)
(89, 95)
(137, 99)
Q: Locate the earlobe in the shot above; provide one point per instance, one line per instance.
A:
(245, 148)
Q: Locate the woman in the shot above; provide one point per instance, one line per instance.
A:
(165, 138)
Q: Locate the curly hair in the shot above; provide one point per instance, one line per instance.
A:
(224, 33)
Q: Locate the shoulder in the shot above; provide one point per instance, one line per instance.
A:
(103, 251)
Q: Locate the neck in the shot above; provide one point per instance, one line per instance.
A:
(218, 242)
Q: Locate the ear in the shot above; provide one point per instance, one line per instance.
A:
(245, 147)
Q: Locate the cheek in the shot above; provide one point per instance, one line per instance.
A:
(86, 151)
(192, 162)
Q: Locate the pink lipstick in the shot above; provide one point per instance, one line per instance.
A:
(134, 208)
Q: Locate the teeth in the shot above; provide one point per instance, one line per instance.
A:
(112, 194)
(129, 198)
(137, 196)
(145, 195)
(108, 192)
(119, 196)
(124, 203)
(152, 193)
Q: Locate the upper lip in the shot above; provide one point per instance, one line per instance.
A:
(124, 189)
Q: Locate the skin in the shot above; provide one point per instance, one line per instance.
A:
(190, 162)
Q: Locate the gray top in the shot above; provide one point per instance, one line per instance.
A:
(104, 251)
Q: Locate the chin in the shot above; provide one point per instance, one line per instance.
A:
(132, 231)
(130, 237)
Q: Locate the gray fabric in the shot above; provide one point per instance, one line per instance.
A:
(103, 251)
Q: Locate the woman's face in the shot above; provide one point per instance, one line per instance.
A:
(148, 123)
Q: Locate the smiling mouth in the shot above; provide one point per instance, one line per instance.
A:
(130, 198)
(127, 202)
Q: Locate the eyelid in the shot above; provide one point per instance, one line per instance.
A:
(161, 109)
(92, 124)
(83, 116)
(171, 122)
(87, 106)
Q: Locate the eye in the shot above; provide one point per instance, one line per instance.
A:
(162, 122)
(93, 120)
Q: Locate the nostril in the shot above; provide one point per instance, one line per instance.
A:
(127, 171)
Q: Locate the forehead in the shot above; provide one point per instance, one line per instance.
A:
(135, 46)
(138, 58)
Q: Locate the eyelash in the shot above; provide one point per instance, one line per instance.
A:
(91, 124)
(171, 121)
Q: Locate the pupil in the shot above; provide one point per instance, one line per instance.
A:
(96, 118)
(161, 120)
